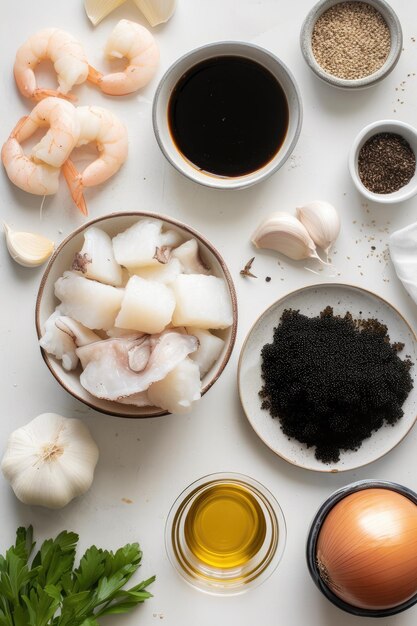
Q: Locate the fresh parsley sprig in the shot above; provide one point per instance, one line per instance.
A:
(48, 591)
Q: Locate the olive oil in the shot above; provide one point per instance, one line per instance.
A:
(225, 526)
(228, 115)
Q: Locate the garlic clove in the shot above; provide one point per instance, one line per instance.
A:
(286, 234)
(322, 222)
(98, 9)
(28, 249)
(156, 11)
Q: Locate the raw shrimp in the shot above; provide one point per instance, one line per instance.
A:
(38, 173)
(65, 52)
(99, 126)
(135, 43)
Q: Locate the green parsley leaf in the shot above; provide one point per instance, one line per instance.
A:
(50, 592)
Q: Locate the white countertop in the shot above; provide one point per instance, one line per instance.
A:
(151, 461)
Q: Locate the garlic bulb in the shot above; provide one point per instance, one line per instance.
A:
(322, 222)
(286, 234)
(28, 249)
(50, 461)
(155, 11)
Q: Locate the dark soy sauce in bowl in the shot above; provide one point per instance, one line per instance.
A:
(228, 115)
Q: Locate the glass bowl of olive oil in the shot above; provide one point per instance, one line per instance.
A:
(225, 533)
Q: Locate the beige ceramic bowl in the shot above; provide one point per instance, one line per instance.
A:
(62, 261)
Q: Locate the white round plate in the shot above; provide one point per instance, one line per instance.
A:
(311, 301)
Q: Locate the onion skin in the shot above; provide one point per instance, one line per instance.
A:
(367, 549)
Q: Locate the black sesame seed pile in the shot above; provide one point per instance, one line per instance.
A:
(386, 163)
(332, 381)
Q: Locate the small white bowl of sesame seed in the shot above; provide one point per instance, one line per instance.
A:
(351, 44)
(382, 161)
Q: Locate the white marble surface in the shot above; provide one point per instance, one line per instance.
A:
(150, 462)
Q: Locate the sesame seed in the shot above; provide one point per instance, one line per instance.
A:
(351, 40)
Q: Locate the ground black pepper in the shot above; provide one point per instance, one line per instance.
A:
(332, 381)
(386, 163)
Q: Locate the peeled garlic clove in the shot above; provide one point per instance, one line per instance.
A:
(28, 249)
(156, 11)
(98, 9)
(322, 222)
(286, 234)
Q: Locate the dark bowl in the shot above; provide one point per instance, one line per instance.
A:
(312, 546)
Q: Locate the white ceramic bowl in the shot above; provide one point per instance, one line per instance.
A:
(394, 54)
(383, 126)
(226, 48)
(310, 301)
(62, 260)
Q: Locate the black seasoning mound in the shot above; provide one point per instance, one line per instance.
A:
(386, 163)
(332, 381)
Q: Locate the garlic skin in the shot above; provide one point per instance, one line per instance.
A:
(50, 461)
(286, 234)
(156, 11)
(28, 249)
(322, 222)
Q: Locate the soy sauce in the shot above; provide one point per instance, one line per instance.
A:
(228, 115)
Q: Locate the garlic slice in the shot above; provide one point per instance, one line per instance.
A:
(156, 11)
(98, 9)
(322, 222)
(28, 249)
(286, 234)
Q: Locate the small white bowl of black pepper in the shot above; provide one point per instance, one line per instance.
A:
(382, 161)
(351, 44)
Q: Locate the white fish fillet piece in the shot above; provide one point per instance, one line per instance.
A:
(178, 391)
(136, 246)
(106, 364)
(189, 256)
(209, 349)
(88, 301)
(62, 336)
(201, 301)
(139, 355)
(96, 258)
(140, 399)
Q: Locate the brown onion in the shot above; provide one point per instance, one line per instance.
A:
(367, 549)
